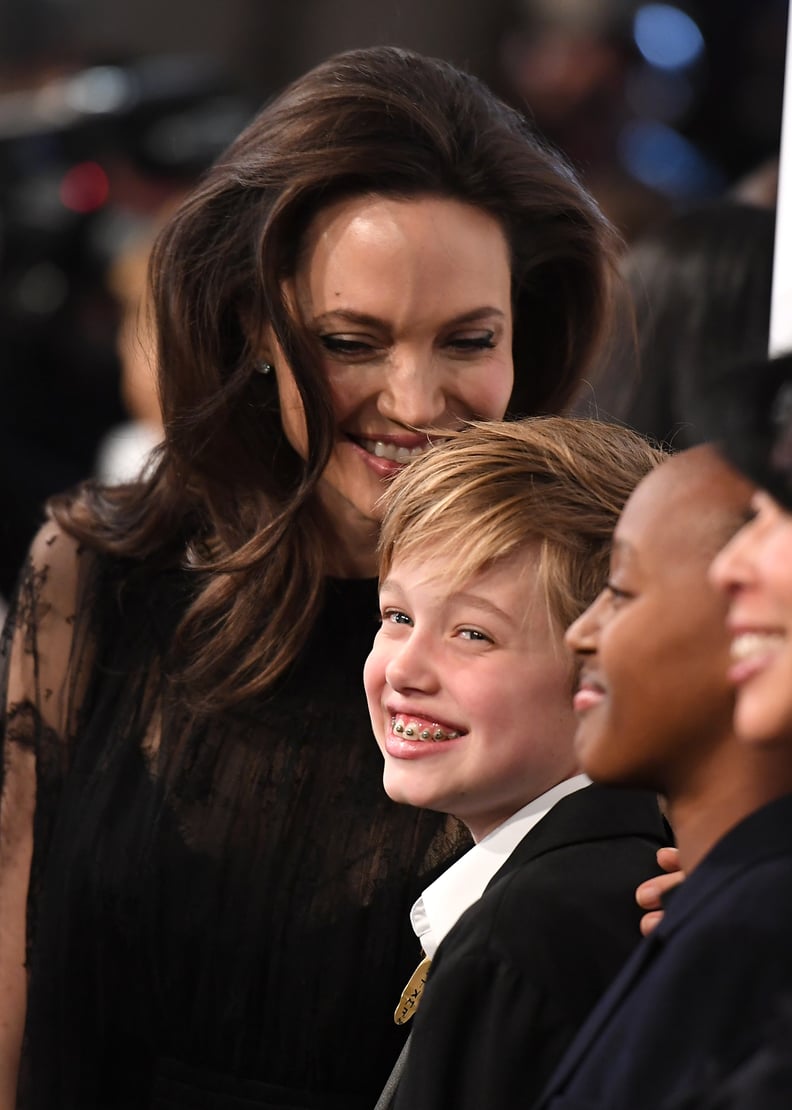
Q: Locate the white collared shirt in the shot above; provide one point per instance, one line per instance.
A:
(446, 899)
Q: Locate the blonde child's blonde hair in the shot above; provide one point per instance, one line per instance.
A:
(553, 484)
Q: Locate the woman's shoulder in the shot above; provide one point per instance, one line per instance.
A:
(55, 552)
(63, 574)
(56, 565)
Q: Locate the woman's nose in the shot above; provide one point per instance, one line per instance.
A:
(730, 569)
(414, 391)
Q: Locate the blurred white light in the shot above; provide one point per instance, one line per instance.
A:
(98, 90)
(666, 36)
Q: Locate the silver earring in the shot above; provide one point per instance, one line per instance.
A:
(264, 367)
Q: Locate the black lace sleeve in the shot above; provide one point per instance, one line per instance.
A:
(43, 658)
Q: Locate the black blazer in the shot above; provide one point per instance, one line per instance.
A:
(695, 1001)
(515, 977)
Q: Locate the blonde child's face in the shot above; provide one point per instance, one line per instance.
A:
(469, 690)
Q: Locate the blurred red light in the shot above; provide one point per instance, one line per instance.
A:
(85, 187)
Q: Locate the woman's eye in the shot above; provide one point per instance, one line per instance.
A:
(344, 345)
(482, 342)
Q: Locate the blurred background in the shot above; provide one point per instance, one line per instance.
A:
(110, 111)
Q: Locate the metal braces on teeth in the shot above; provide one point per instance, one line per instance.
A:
(425, 734)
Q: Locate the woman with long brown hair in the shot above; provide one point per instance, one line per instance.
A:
(203, 887)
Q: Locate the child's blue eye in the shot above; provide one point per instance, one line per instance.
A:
(395, 616)
(474, 634)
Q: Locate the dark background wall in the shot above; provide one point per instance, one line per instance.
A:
(731, 94)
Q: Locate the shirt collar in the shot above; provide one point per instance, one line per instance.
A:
(446, 899)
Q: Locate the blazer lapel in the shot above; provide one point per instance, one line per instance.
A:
(599, 1017)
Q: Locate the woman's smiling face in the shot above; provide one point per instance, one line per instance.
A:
(755, 571)
(411, 302)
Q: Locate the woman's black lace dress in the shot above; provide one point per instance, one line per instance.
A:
(217, 914)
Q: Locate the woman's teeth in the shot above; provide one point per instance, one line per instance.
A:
(391, 451)
(754, 643)
(411, 730)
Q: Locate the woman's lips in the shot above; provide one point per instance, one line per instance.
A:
(751, 652)
(389, 454)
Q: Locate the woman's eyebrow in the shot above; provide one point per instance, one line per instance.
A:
(351, 316)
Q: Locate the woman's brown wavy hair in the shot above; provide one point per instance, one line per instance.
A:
(227, 488)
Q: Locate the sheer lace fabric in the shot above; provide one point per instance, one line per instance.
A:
(217, 912)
